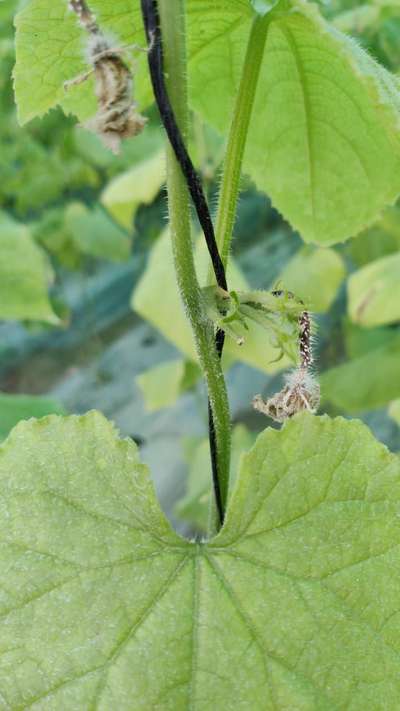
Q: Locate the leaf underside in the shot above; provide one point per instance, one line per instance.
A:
(294, 605)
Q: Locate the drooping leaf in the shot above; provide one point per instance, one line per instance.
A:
(156, 297)
(94, 233)
(293, 606)
(139, 185)
(374, 292)
(367, 382)
(24, 275)
(314, 275)
(14, 408)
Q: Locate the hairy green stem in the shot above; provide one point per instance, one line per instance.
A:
(173, 31)
(238, 134)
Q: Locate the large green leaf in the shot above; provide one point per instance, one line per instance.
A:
(367, 382)
(374, 292)
(293, 606)
(24, 275)
(324, 139)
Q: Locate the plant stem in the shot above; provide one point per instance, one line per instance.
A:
(238, 134)
(173, 32)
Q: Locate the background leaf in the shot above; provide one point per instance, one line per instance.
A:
(95, 233)
(24, 275)
(374, 292)
(367, 382)
(139, 185)
(162, 385)
(314, 275)
(14, 408)
(156, 297)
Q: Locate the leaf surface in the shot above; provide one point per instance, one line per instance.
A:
(293, 605)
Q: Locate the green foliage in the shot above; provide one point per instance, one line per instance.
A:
(293, 605)
(367, 382)
(394, 411)
(374, 292)
(45, 24)
(314, 275)
(162, 385)
(24, 275)
(94, 233)
(138, 185)
(14, 408)
(307, 163)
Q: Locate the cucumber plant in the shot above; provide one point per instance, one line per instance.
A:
(292, 603)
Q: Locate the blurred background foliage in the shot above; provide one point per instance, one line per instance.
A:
(89, 312)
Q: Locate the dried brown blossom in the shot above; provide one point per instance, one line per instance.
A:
(117, 117)
(301, 392)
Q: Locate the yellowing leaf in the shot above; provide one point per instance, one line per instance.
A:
(162, 384)
(294, 605)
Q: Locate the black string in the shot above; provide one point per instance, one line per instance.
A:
(156, 65)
